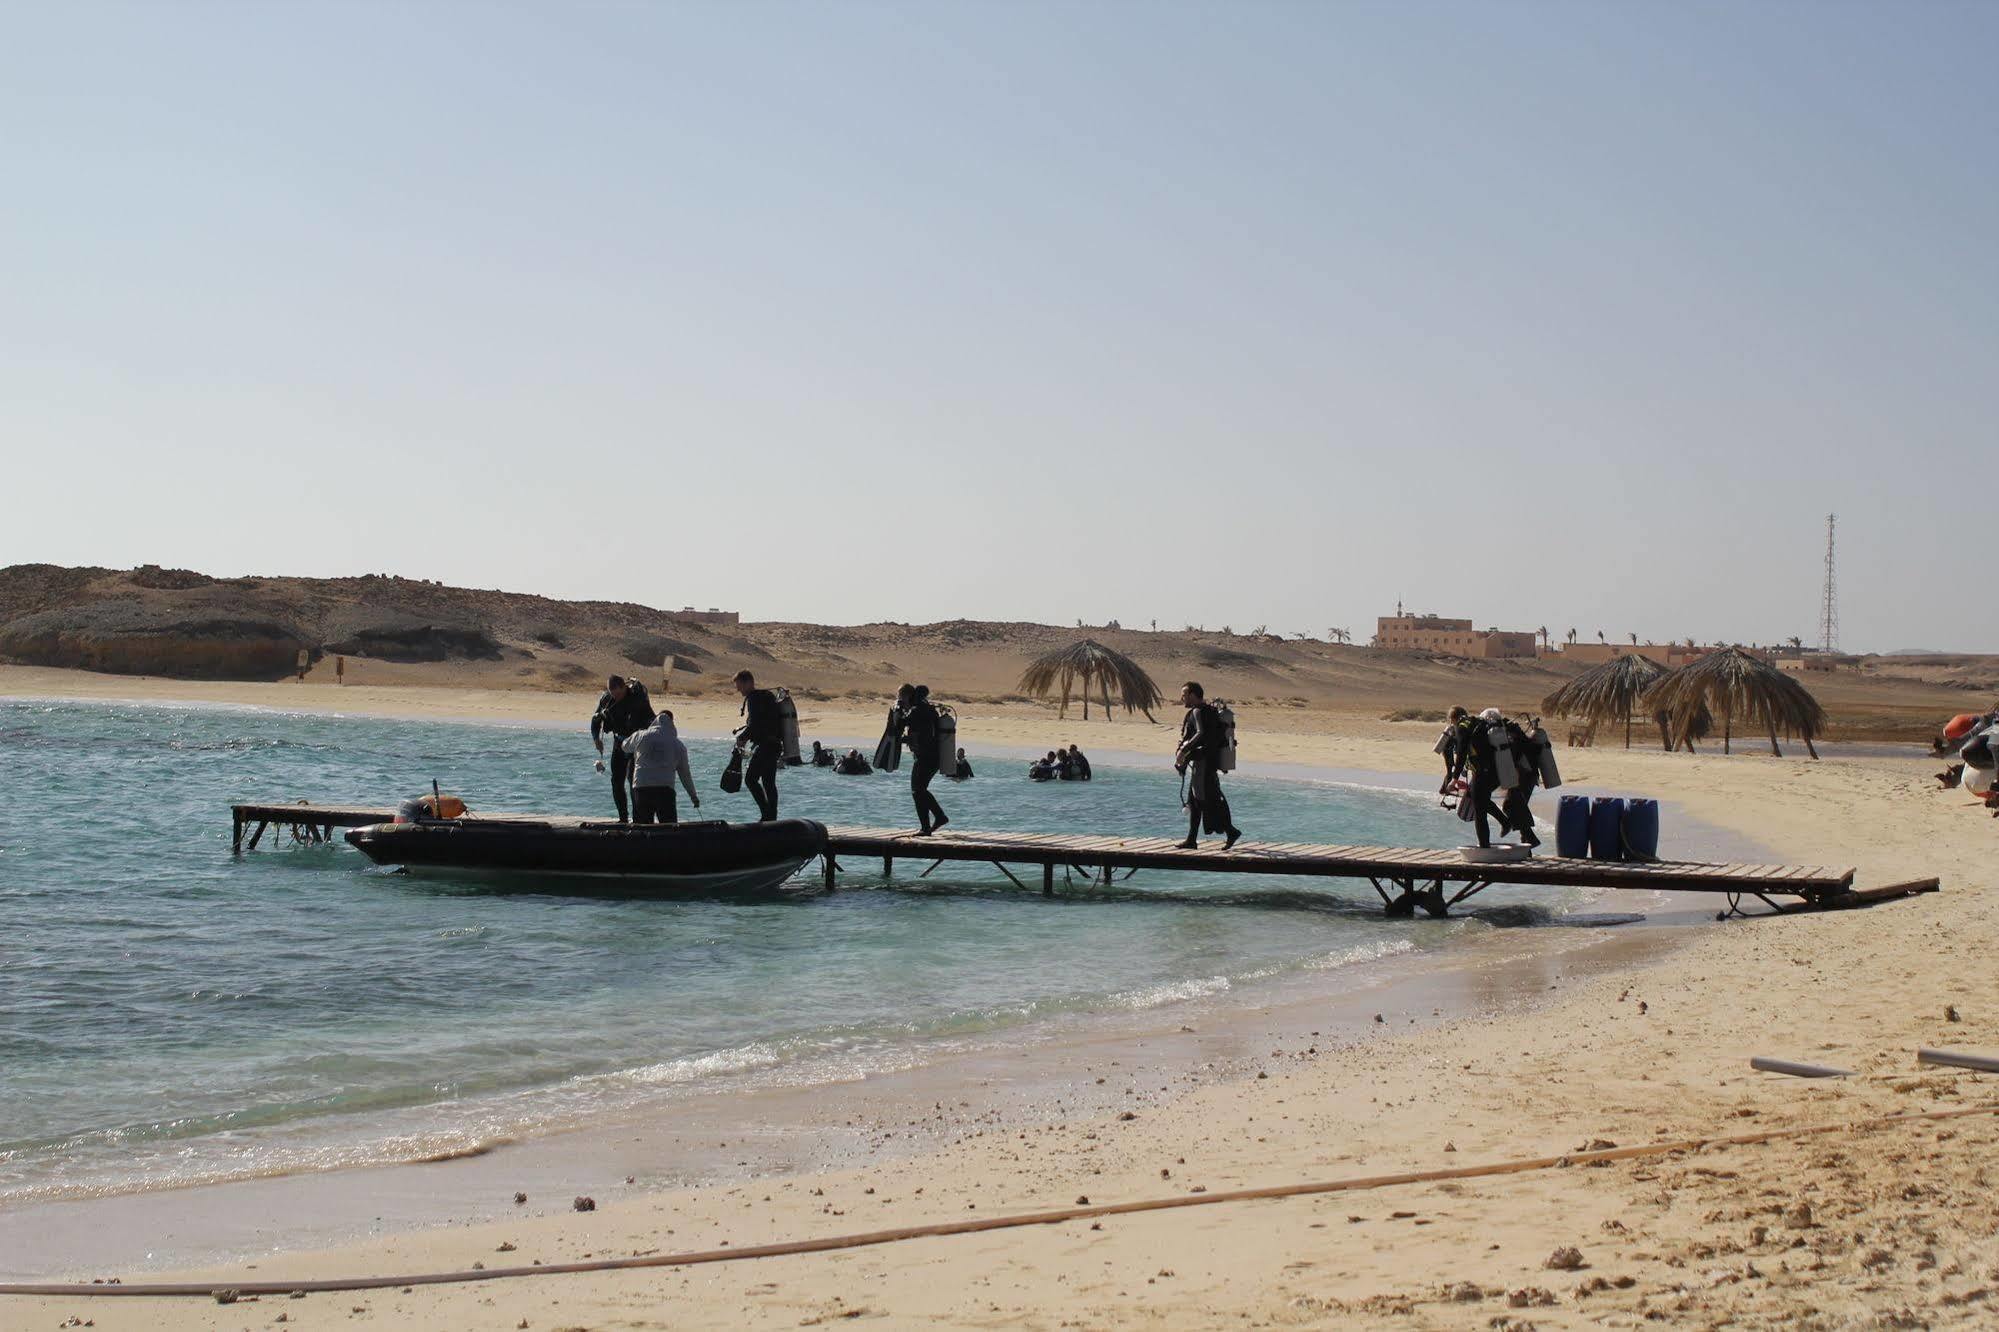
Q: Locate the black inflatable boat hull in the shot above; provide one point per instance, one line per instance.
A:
(690, 858)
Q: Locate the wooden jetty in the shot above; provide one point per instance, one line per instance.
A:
(1406, 878)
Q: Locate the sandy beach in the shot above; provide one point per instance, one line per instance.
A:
(1854, 1228)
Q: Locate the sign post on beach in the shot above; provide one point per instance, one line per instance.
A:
(304, 663)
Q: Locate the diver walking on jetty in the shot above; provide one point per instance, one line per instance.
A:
(658, 757)
(920, 732)
(622, 709)
(1487, 748)
(763, 732)
(1201, 756)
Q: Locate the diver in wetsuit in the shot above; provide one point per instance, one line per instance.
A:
(623, 709)
(1482, 762)
(763, 732)
(919, 733)
(1201, 741)
(1453, 746)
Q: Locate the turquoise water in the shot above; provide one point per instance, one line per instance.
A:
(170, 1013)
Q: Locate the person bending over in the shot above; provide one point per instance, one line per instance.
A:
(919, 736)
(1199, 755)
(623, 709)
(763, 732)
(658, 757)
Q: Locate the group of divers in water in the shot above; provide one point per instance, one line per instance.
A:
(1491, 755)
(647, 757)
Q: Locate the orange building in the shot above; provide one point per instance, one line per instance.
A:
(1450, 638)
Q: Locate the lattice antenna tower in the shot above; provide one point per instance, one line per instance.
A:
(1829, 609)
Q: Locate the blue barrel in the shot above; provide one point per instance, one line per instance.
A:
(1606, 828)
(1572, 827)
(1641, 830)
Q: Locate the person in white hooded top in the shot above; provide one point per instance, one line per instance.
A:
(658, 757)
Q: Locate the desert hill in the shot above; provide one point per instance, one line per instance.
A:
(391, 630)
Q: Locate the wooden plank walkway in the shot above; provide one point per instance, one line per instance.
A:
(1405, 877)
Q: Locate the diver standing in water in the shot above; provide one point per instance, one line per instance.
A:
(1199, 756)
(623, 709)
(763, 732)
(919, 731)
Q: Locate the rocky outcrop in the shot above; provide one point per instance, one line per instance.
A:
(128, 638)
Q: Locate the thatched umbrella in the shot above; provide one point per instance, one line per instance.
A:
(1608, 693)
(1097, 665)
(1736, 684)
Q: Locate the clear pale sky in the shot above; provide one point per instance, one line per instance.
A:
(1574, 314)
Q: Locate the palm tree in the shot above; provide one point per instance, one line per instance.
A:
(1097, 665)
(1572, 637)
(1634, 640)
(1797, 644)
(1543, 631)
(1600, 638)
(1735, 683)
(1608, 693)
(1341, 635)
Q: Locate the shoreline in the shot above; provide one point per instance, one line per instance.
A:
(1585, 1060)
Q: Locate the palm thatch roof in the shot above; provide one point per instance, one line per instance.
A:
(1739, 687)
(1607, 694)
(1096, 665)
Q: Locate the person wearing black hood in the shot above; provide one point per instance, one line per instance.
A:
(919, 736)
(763, 732)
(1201, 744)
(623, 709)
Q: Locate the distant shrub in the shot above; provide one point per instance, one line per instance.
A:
(1414, 715)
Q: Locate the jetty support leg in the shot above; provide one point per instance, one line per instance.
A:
(1404, 904)
(831, 868)
(258, 835)
(1048, 879)
(1001, 867)
(236, 832)
(888, 867)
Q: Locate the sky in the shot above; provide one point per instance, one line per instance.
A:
(1569, 314)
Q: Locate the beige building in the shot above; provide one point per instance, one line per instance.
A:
(1450, 638)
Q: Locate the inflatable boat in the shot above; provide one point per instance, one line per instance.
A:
(666, 859)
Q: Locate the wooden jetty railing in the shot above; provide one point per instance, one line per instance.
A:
(1406, 878)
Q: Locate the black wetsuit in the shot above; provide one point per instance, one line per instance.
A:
(1201, 741)
(763, 732)
(621, 717)
(1484, 767)
(919, 733)
(1079, 767)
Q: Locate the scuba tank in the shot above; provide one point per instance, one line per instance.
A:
(1544, 758)
(1503, 763)
(1225, 756)
(787, 716)
(888, 753)
(947, 739)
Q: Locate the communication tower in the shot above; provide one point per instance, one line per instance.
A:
(1829, 609)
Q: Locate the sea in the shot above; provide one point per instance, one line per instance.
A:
(174, 1014)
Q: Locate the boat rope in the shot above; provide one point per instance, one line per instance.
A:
(869, 1238)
